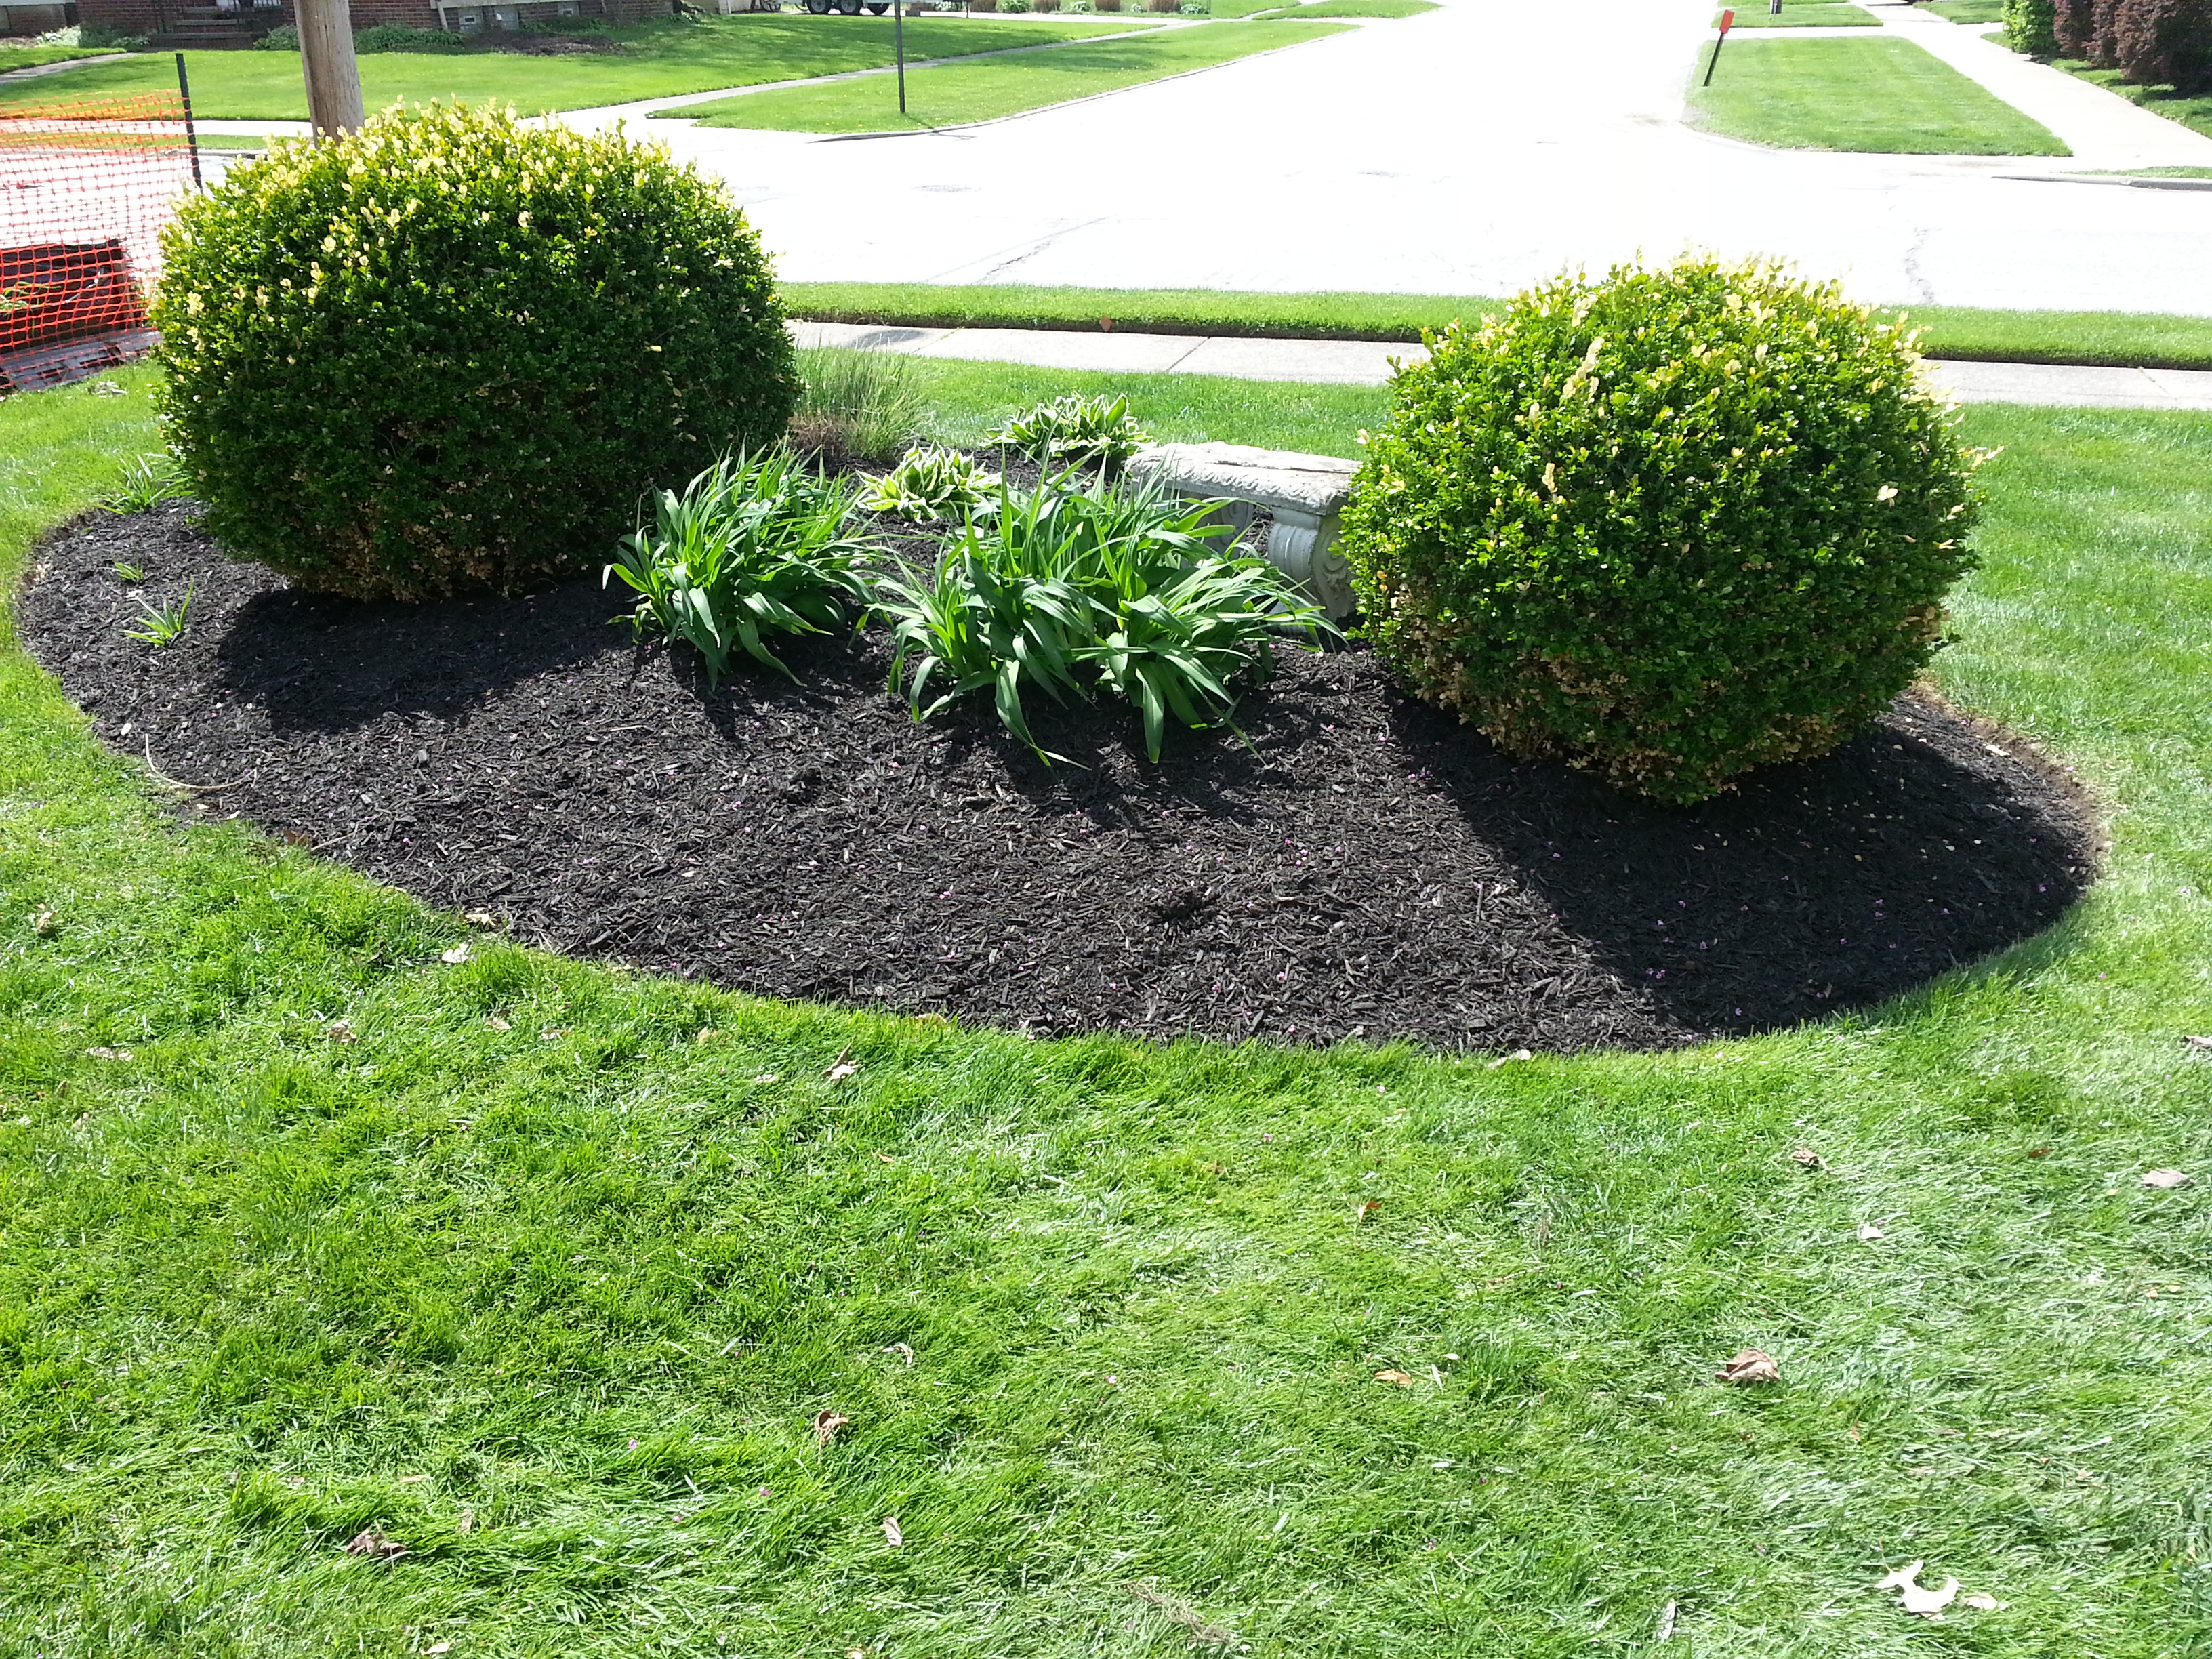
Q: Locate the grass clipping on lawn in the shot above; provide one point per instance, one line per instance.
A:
(956, 94)
(532, 1278)
(1882, 97)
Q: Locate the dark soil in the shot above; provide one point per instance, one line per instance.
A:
(1366, 867)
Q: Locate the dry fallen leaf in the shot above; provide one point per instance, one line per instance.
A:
(1984, 1601)
(340, 1030)
(465, 1523)
(44, 925)
(841, 1068)
(374, 1543)
(439, 1646)
(459, 953)
(480, 918)
(1518, 1053)
(498, 1023)
(1917, 1597)
(1396, 1377)
(826, 1425)
(1666, 1630)
(2193, 1041)
(1367, 1208)
(761, 1080)
(1750, 1365)
(1806, 1158)
(1868, 1232)
(892, 1532)
(2165, 1178)
(903, 1350)
(107, 1053)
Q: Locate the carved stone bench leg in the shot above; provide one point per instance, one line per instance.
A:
(1302, 546)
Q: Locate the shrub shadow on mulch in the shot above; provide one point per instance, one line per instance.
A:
(1350, 863)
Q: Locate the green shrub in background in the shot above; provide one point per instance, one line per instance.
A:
(2032, 26)
(398, 37)
(1671, 525)
(102, 34)
(450, 353)
(283, 37)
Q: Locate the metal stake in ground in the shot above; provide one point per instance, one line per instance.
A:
(333, 76)
(191, 134)
(898, 39)
(1727, 18)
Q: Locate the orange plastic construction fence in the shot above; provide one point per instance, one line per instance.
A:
(85, 188)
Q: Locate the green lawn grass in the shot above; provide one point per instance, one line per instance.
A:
(2193, 113)
(2034, 336)
(1971, 13)
(960, 93)
(15, 57)
(1888, 97)
(1357, 9)
(1800, 15)
(545, 1273)
(669, 58)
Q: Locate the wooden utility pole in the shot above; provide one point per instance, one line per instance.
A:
(333, 76)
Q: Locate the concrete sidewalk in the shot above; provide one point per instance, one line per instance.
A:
(2101, 128)
(1365, 362)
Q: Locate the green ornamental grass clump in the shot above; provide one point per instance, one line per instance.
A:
(450, 353)
(1671, 525)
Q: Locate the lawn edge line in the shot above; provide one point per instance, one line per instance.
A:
(1231, 329)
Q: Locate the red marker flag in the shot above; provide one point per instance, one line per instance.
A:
(1727, 18)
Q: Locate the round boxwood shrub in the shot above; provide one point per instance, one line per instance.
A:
(1670, 525)
(449, 353)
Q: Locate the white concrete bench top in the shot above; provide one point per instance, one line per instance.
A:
(1279, 480)
(1302, 493)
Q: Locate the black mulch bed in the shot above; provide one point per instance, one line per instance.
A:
(1366, 867)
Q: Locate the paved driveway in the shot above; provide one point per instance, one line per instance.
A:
(1469, 150)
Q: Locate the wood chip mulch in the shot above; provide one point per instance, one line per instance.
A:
(1364, 867)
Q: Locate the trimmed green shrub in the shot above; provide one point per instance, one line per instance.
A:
(2166, 42)
(284, 37)
(450, 353)
(398, 37)
(2032, 26)
(1670, 525)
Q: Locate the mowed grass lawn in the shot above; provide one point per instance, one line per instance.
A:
(544, 1271)
(15, 57)
(959, 92)
(1888, 97)
(2053, 337)
(1799, 14)
(666, 59)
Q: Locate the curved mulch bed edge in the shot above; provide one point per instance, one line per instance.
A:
(1364, 867)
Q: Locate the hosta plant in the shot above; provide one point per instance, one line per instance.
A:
(754, 546)
(1061, 592)
(1097, 432)
(1671, 524)
(932, 482)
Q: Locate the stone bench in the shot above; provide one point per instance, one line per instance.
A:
(1304, 493)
